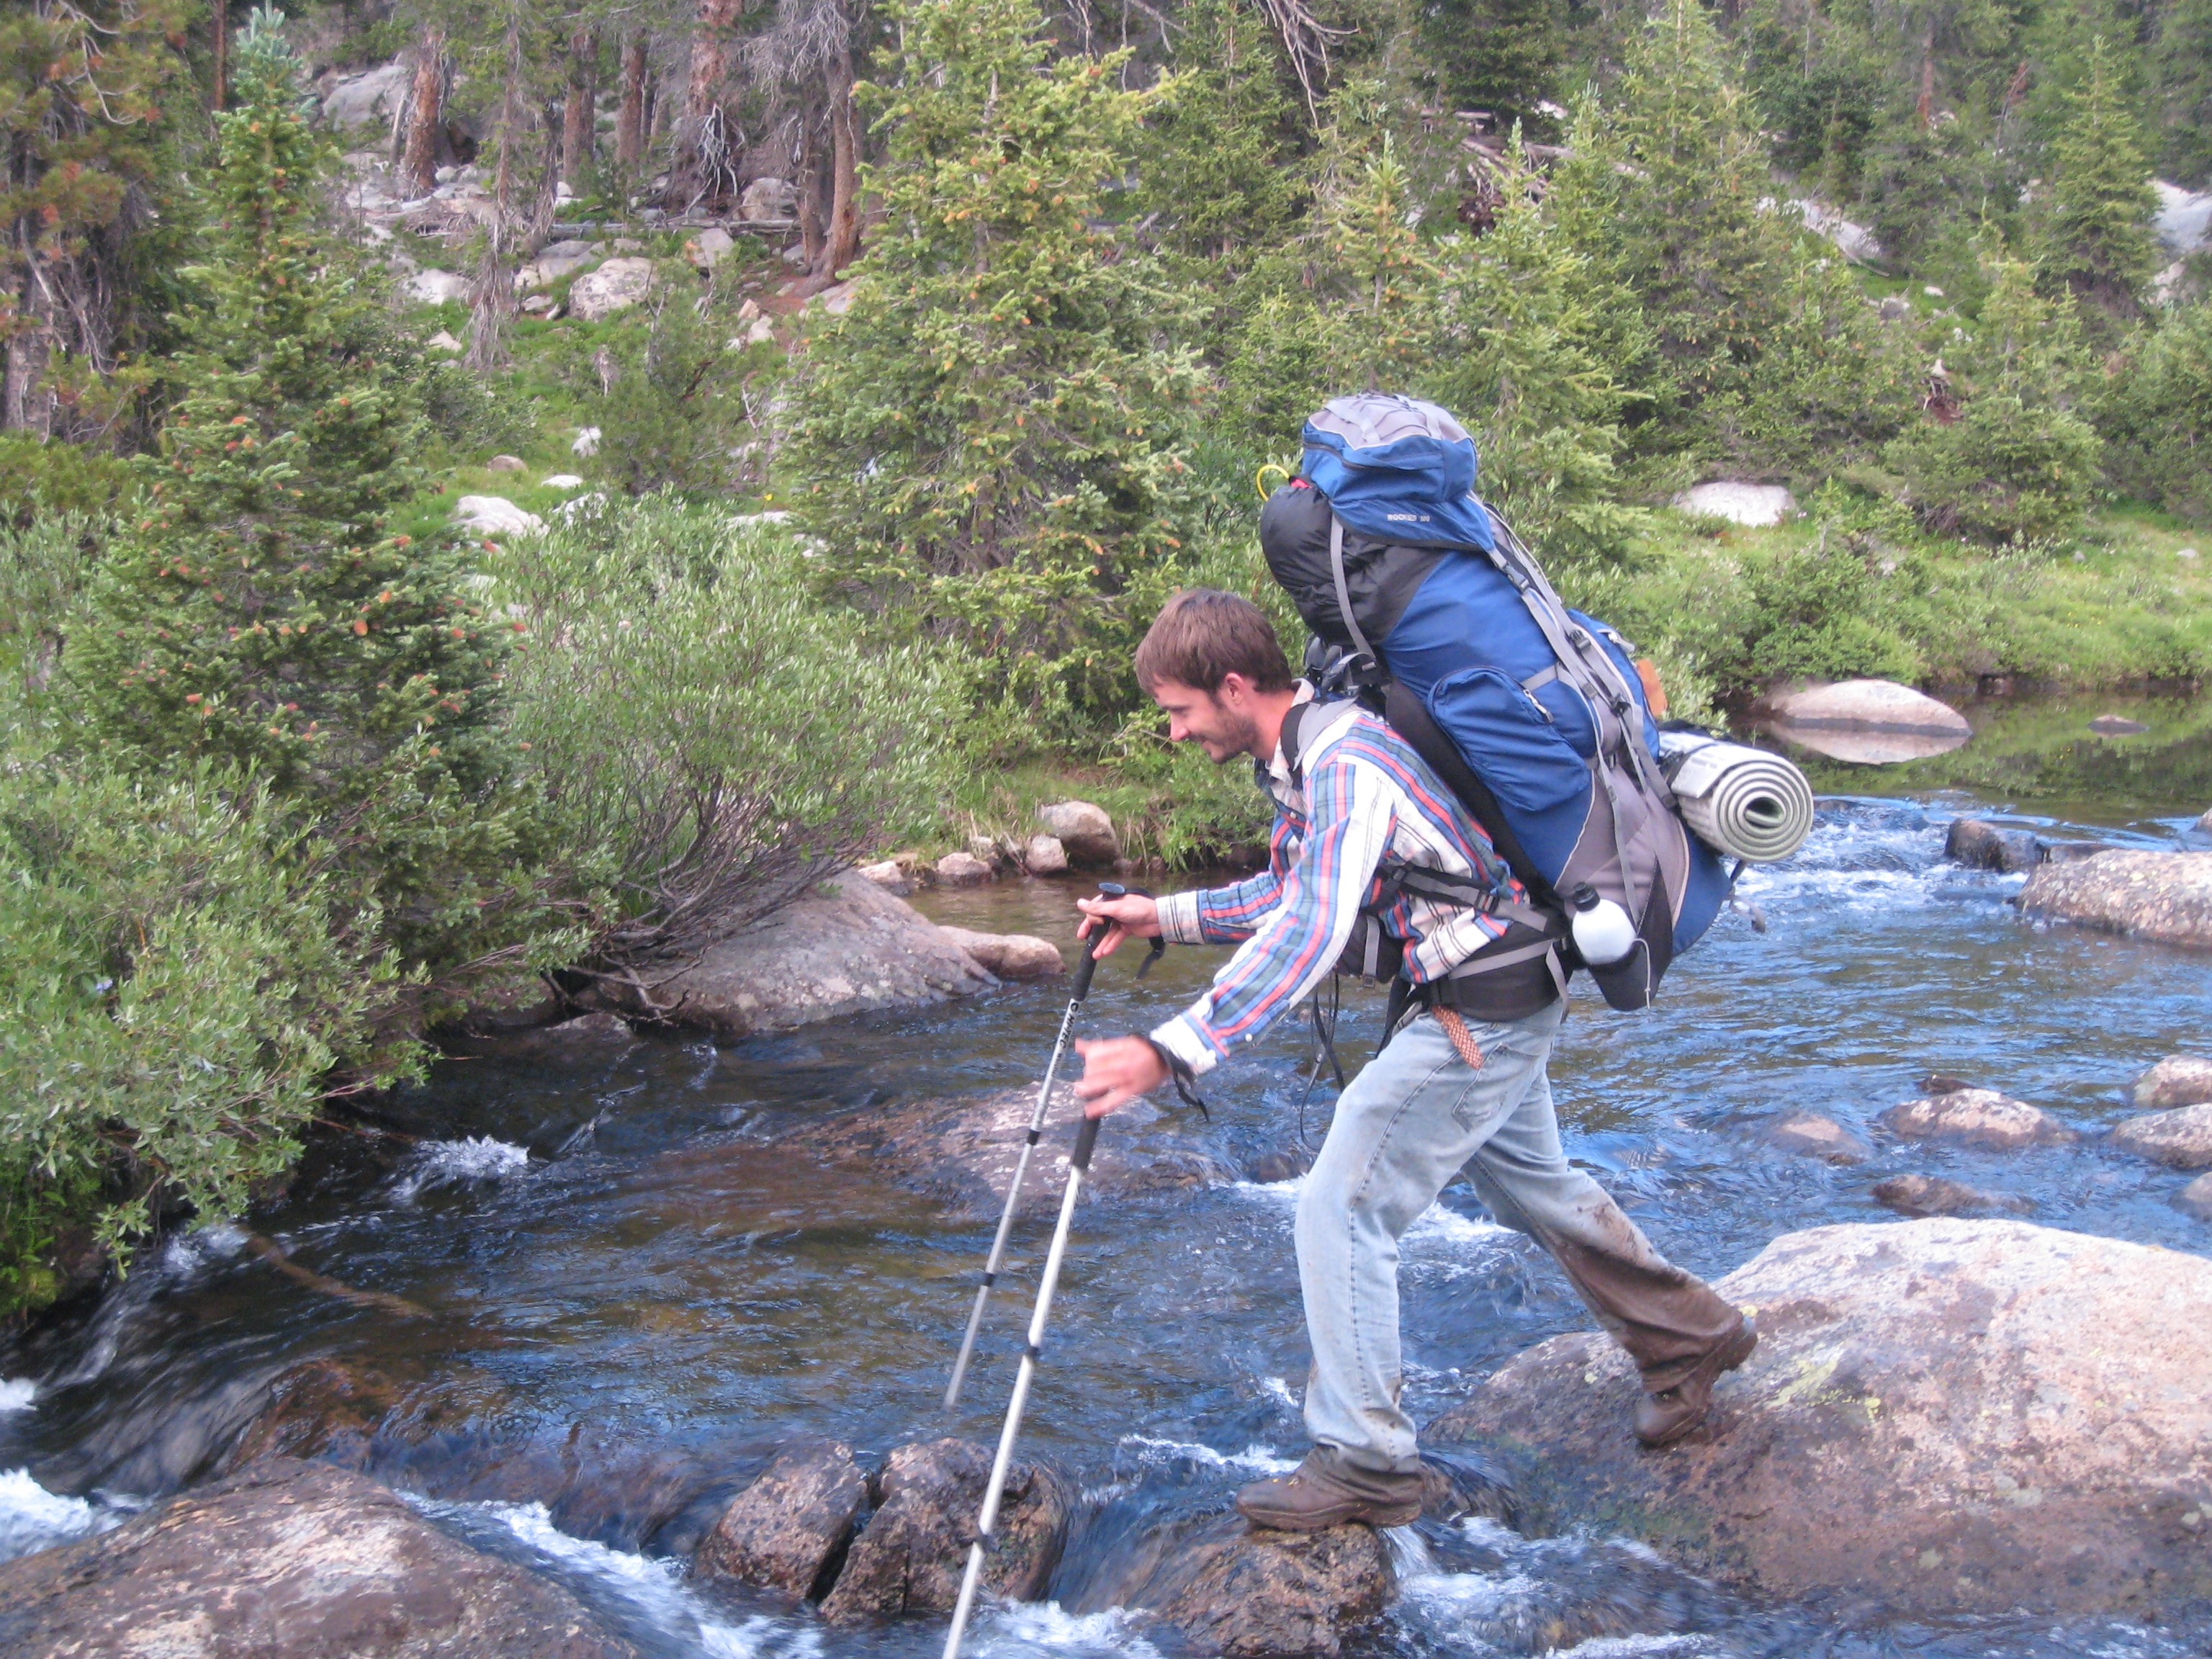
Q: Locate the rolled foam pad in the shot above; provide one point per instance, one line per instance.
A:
(1743, 802)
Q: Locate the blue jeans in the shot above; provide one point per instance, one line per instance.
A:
(1403, 1130)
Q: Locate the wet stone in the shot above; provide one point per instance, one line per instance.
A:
(1977, 1117)
(1926, 1195)
(1043, 855)
(1816, 1136)
(1085, 831)
(2177, 1080)
(2166, 897)
(962, 870)
(909, 1557)
(785, 1531)
(2180, 1138)
(1982, 846)
(1228, 1588)
(2195, 1198)
(1010, 956)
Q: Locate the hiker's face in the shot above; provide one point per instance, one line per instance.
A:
(1219, 722)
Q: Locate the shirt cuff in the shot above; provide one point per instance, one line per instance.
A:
(1180, 1038)
(1179, 918)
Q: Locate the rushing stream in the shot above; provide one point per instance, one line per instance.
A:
(629, 1288)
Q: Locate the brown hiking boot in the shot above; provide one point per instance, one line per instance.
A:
(1325, 1492)
(1664, 1417)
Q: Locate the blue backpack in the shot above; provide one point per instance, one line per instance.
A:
(1425, 606)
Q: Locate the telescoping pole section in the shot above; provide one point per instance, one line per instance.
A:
(1079, 1166)
(1084, 970)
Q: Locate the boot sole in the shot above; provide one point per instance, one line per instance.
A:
(1730, 1357)
(1336, 1514)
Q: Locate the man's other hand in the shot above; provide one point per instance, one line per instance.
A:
(1116, 1069)
(1130, 916)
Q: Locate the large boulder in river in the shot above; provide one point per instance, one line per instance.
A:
(963, 1149)
(288, 1559)
(911, 1557)
(2163, 897)
(1232, 1588)
(1868, 705)
(846, 947)
(1976, 1117)
(1942, 1417)
(2180, 1138)
(2177, 1080)
(784, 1531)
(1010, 956)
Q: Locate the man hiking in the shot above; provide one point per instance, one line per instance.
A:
(1363, 824)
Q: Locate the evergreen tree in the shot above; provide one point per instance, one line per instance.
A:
(2158, 412)
(258, 617)
(1504, 57)
(2181, 72)
(1217, 160)
(1380, 274)
(990, 436)
(2093, 230)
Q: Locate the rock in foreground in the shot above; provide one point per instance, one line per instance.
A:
(2180, 1138)
(911, 1557)
(2177, 1080)
(847, 947)
(1977, 1117)
(288, 1559)
(2166, 897)
(1942, 1417)
(1232, 1588)
(784, 1530)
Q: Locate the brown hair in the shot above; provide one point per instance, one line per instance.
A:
(1203, 635)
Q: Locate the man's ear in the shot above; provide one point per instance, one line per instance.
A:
(1234, 691)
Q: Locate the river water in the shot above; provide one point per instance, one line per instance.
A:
(630, 1289)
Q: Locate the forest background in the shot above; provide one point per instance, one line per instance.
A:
(835, 533)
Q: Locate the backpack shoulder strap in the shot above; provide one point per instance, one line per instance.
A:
(1344, 590)
(1308, 724)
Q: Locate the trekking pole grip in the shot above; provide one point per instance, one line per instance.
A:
(1086, 1139)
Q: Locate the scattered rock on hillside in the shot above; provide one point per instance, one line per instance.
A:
(365, 98)
(2180, 1138)
(495, 515)
(1926, 1195)
(891, 875)
(553, 262)
(1246, 1592)
(1085, 831)
(846, 947)
(586, 441)
(1977, 1117)
(768, 198)
(784, 1531)
(443, 340)
(1981, 846)
(837, 300)
(2166, 897)
(1870, 705)
(1752, 504)
(615, 286)
(962, 870)
(562, 481)
(1942, 1417)
(2177, 1080)
(1043, 855)
(288, 1557)
(709, 247)
(507, 464)
(1816, 1136)
(909, 1557)
(435, 287)
(1010, 956)
(2184, 219)
(2196, 1198)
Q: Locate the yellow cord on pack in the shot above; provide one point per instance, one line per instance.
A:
(1259, 478)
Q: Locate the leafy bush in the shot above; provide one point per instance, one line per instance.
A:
(713, 739)
(173, 999)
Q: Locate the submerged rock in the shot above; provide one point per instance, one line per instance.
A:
(2166, 897)
(1977, 1117)
(2180, 1138)
(575, 1041)
(288, 1559)
(909, 1557)
(846, 947)
(1926, 1195)
(1816, 1136)
(1010, 956)
(963, 1149)
(786, 1530)
(1232, 1588)
(2177, 1080)
(2196, 1198)
(1981, 846)
(1946, 1417)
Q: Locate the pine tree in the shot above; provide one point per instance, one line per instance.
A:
(2092, 228)
(257, 616)
(990, 436)
(1504, 57)
(1380, 273)
(1217, 159)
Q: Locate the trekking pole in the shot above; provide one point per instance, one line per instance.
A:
(1079, 1165)
(1088, 966)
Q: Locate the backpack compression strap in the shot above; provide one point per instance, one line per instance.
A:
(1344, 592)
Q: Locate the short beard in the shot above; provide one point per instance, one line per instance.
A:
(1243, 735)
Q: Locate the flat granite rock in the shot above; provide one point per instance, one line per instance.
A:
(1942, 1417)
(1977, 1117)
(2177, 1080)
(1869, 706)
(284, 1561)
(2180, 1138)
(2166, 897)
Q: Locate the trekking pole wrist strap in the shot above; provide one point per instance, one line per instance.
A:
(1179, 1072)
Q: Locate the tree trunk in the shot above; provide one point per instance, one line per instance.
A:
(842, 242)
(1925, 108)
(426, 115)
(492, 305)
(629, 124)
(25, 404)
(580, 116)
(701, 166)
(219, 50)
(813, 239)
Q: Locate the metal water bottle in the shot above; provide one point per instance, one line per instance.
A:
(1603, 933)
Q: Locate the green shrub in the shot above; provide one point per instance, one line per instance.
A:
(672, 414)
(2157, 411)
(2002, 473)
(40, 476)
(173, 1000)
(713, 739)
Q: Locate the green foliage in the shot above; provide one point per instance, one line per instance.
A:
(1831, 383)
(2158, 412)
(2093, 231)
(258, 617)
(42, 475)
(1506, 57)
(989, 441)
(2019, 464)
(2181, 67)
(671, 416)
(711, 738)
(172, 1003)
(1216, 159)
